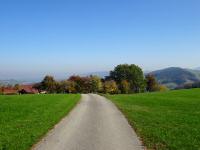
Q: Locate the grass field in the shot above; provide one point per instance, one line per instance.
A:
(24, 119)
(169, 120)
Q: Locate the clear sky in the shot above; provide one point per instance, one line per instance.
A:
(58, 37)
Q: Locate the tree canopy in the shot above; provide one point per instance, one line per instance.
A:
(131, 73)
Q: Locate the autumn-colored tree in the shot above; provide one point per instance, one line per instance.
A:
(78, 83)
(48, 84)
(124, 87)
(1, 89)
(96, 84)
(71, 87)
(16, 86)
(161, 88)
(86, 84)
(151, 83)
(110, 87)
(61, 86)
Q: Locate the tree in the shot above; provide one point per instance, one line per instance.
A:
(71, 87)
(124, 87)
(152, 84)
(78, 83)
(110, 87)
(96, 84)
(48, 84)
(161, 88)
(61, 87)
(131, 73)
(17, 87)
(86, 84)
(1, 89)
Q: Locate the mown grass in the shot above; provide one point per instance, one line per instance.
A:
(24, 119)
(164, 121)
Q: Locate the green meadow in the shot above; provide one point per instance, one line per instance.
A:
(164, 121)
(24, 119)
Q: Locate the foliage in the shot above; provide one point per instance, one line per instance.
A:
(110, 87)
(16, 86)
(161, 88)
(86, 84)
(71, 87)
(131, 73)
(96, 84)
(24, 119)
(124, 87)
(128, 79)
(167, 120)
(48, 84)
(78, 83)
(1, 90)
(189, 85)
(152, 84)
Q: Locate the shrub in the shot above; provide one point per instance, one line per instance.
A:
(110, 87)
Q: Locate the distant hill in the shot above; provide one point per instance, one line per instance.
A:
(174, 76)
(198, 68)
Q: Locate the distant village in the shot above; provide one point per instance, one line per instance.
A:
(20, 89)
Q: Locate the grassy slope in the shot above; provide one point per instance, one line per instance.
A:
(25, 119)
(168, 120)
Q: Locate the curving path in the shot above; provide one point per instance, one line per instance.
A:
(94, 124)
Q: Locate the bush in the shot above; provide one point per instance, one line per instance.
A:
(110, 87)
(161, 88)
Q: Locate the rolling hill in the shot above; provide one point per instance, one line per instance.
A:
(173, 77)
(198, 68)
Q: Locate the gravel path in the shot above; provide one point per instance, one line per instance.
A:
(94, 124)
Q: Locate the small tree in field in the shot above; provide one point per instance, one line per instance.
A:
(110, 87)
(151, 82)
(153, 85)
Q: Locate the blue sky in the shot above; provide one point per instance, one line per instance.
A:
(58, 37)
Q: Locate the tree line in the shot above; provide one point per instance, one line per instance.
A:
(123, 79)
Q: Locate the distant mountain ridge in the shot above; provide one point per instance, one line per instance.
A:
(174, 76)
(9, 82)
(198, 68)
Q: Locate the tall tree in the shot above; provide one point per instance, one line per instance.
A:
(49, 84)
(132, 74)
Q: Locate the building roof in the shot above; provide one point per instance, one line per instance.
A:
(9, 90)
(28, 89)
